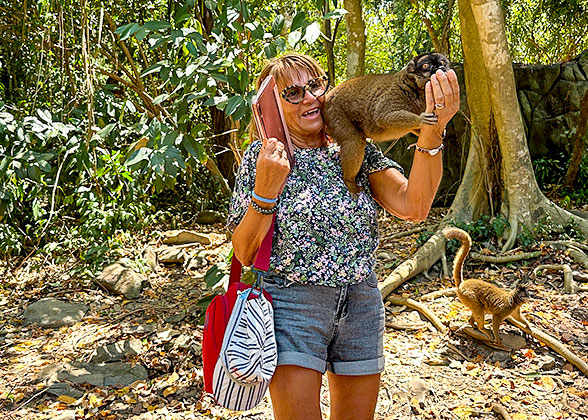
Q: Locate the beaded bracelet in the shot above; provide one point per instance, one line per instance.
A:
(261, 210)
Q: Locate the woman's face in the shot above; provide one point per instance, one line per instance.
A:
(304, 119)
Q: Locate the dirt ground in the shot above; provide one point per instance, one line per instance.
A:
(428, 375)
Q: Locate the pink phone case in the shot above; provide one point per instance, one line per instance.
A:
(269, 117)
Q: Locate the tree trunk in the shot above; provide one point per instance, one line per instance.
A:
(489, 74)
(355, 39)
(329, 44)
(578, 143)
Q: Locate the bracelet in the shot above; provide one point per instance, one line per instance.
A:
(432, 152)
(261, 210)
(263, 199)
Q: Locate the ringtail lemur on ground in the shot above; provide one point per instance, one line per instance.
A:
(482, 297)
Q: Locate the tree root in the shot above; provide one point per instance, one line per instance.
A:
(552, 343)
(504, 258)
(410, 303)
(574, 249)
(422, 260)
(570, 286)
(438, 293)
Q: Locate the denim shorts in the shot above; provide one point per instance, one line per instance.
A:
(336, 328)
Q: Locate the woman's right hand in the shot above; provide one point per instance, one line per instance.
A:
(271, 169)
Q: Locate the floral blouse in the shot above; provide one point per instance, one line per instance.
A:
(322, 235)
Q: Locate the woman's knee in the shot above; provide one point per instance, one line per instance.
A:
(295, 393)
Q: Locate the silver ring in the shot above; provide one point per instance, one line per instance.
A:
(439, 106)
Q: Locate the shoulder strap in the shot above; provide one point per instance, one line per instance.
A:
(261, 260)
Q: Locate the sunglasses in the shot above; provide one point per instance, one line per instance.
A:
(317, 87)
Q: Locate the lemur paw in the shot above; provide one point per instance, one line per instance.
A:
(429, 118)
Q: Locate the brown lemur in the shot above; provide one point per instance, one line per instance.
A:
(379, 106)
(482, 297)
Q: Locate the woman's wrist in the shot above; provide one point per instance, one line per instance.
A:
(431, 138)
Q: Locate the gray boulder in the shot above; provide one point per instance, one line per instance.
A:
(209, 217)
(116, 374)
(54, 313)
(178, 237)
(117, 351)
(120, 278)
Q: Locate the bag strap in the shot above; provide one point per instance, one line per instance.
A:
(261, 260)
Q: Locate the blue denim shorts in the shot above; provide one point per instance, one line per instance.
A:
(336, 328)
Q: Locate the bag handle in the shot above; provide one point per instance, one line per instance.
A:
(261, 260)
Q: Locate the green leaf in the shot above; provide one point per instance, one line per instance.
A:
(270, 50)
(156, 25)
(211, 4)
(294, 38)
(106, 130)
(277, 25)
(181, 18)
(126, 31)
(256, 29)
(335, 14)
(138, 156)
(159, 99)
(141, 33)
(152, 69)
(194, 148)
(298, 21)
(232, 105)
(214, 276)
(313, 31)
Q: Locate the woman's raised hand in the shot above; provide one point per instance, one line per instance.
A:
(442, 97)
(272, 169)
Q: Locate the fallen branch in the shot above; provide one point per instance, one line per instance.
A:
(439, 293)
(570, 286)
(565, 244)
(422, 260)
(504, 258)
(410, 303)
(552, 343)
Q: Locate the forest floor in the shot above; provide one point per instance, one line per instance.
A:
(428, 374)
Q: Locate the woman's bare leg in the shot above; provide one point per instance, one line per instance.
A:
(353, 397)
(295, 393)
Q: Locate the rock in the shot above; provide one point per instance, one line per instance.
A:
(196, 262)
(178, 237)
(580, 313)
(547, 363)
(172, 255)
(150, 256)
(138, 329)
(501, 356)
(61, 388)
(512, 341)
(117, 351)
(121, 279)
(419, 390)
(54, 313)
(114, 374)
(209, 217)
(175, 318)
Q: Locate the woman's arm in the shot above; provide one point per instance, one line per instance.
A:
(411, 198)
(271, 171)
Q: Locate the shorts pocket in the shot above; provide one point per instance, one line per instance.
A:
(273, 279)
(372, 281)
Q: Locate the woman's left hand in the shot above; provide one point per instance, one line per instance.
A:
(442, 97)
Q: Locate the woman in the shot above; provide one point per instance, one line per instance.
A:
(328, 310)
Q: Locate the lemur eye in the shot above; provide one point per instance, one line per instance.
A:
(425, 66)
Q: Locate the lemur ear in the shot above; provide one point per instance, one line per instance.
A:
(411, 66)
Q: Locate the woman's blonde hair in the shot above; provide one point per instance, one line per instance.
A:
(284, 69)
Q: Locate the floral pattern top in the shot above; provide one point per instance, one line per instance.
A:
(322, 235)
